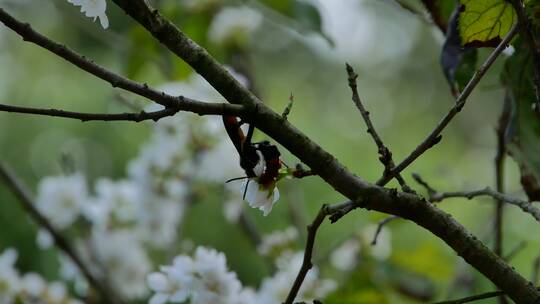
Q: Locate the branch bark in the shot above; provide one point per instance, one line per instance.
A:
(136, 117)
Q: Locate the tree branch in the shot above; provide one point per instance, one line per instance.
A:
(178, 103)
(26, 201)
(482, 296)
(385, 156)
(526, 206)
(136, 117)
(435, 135)
(307, 263)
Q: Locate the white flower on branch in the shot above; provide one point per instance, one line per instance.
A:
(93, 9)
(125, 260)
(214, 284)
(259, 196)
(204, 279)
(60, 198)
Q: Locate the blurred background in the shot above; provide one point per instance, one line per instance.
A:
(279, 52)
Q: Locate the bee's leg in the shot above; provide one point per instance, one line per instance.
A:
(245, 190)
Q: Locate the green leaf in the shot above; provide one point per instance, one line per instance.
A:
(483, 23)
(308, 15)
(523, 132)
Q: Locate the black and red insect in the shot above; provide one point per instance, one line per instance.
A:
(251, 154)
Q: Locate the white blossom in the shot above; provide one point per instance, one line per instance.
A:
(204, 279)
(44, 239)
(234, 25)
(33, 285)
(214, 284)
(277, 242)
(258, 196)
(124, 259)
(9, 277)
(345, 257)
(93, 9)
(60, 198)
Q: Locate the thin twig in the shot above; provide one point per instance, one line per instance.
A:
(179, 103)
(385, 156)
(487, 295)
(435, 135)
(26, 201)
(380, 226)
(526, 206)
(136, 117)
(535, 270)
(307, 263)
(500, 156)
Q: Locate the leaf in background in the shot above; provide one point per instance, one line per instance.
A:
(483, 23)
(440, 11)
(458, 63)
(523, 133)
(308, 15)
(305, 16)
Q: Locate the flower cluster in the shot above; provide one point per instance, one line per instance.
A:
(30, 287)
(204, 279)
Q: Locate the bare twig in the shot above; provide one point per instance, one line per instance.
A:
(535, 270)
(469, 299)
(178, 103)
(385, 156)
(307, 263)
(526, 206)
(380, 226)
(136, 117)
(288, 108)
(435, 135)
(499, 176)
(21, 192)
